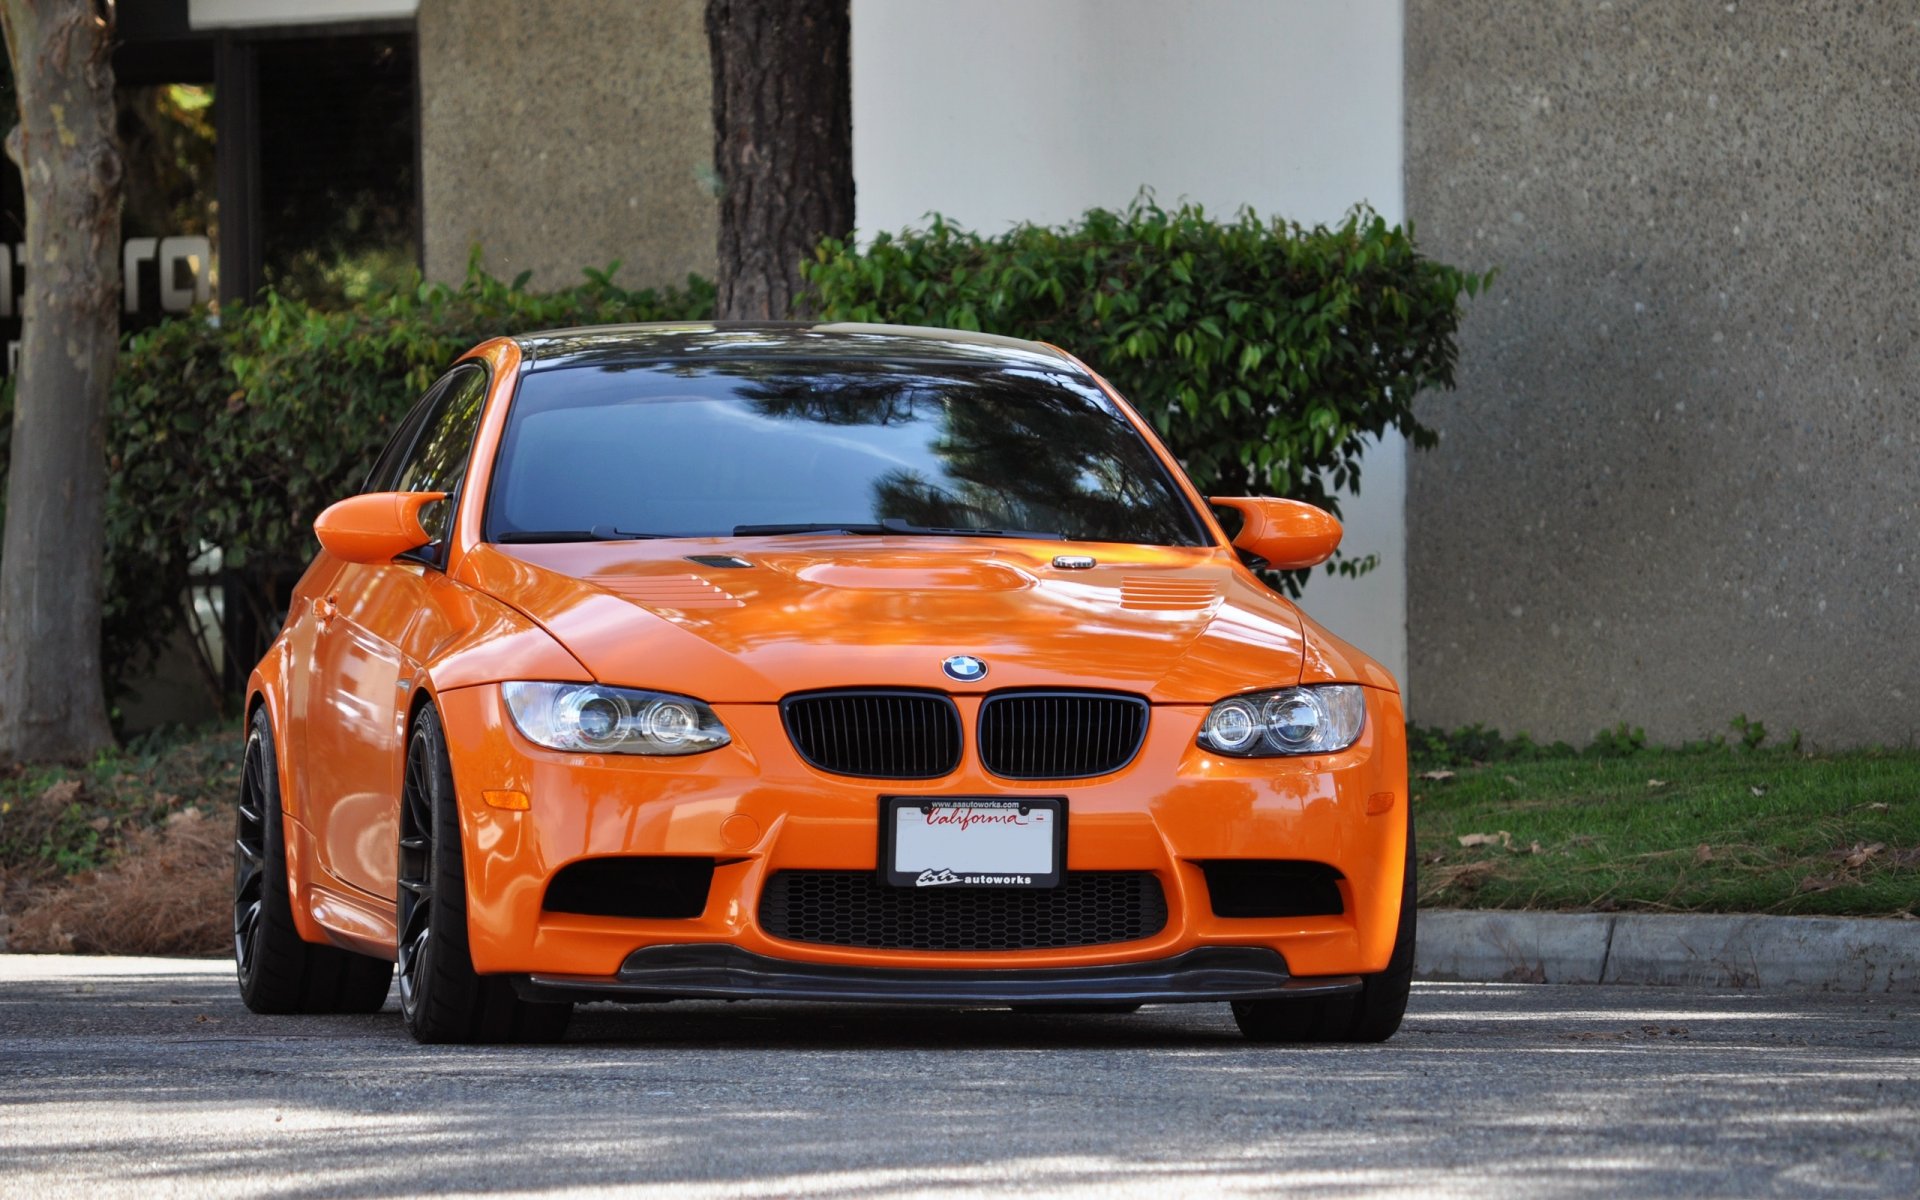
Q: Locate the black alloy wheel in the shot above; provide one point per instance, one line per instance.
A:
(279, 972)
(1371, 1015)
(442, 998)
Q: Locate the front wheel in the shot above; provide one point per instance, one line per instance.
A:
(278, 972)
(1371, 1015)
(442, 998)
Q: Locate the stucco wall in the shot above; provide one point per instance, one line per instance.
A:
(999, 111)
(1682, 475)
(599, 146)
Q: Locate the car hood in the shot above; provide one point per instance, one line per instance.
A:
(749, 620)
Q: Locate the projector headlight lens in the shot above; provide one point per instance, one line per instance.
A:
(589, 718)
(1301, 720)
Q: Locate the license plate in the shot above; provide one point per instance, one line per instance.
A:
(971, 841)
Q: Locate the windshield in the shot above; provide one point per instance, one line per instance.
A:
(775, 446)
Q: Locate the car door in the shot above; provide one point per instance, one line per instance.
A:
(362, 676)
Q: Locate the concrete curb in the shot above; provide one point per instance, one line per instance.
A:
(1836, 954)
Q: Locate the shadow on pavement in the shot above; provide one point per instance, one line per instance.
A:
(162, 1083)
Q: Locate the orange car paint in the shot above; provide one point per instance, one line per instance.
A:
(1287, 533)
(375, 528)
(1184, 626)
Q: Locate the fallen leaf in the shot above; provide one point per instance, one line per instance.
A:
(1502, 838)
(98, 824)
(1533, 848)
(1876, 806)
(62, 793)
(1861, 855)
(1436, 856)
(1757, 790)
(1512, 779)
(1704, 854)
(1817, 883)
(1437, 776)
(1656, 783)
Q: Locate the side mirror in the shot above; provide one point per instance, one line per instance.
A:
(376, 527)
(1286, 533)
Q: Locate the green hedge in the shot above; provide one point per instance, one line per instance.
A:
(1265, 353)
(236, 432)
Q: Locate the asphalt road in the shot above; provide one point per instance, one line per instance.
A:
(146, 1077)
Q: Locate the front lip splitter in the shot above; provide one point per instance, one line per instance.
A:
(716, 971)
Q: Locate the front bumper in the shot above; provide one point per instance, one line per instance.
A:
(755, 808)
(717, 972)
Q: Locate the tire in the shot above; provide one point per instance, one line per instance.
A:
(442, 998)
(279, 972)
(1371, 1015)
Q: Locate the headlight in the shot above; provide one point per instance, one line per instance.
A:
(1299, 720)
(591, 719)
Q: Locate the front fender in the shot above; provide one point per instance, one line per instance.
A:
(491, 643)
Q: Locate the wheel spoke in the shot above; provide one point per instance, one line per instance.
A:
(246, 928)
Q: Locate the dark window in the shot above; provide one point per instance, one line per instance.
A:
(438, 460)
(705, 448)
(385, 475)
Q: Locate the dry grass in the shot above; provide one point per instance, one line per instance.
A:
(164, 894)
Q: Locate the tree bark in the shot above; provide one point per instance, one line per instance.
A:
(52, 705)
(783, 145)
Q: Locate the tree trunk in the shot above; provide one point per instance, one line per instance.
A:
(51, 700)
(783, 144)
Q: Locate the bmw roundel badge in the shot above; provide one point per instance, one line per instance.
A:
(964, 667)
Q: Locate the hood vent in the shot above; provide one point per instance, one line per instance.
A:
(670, 591)
(1149, 594)
(728, 561)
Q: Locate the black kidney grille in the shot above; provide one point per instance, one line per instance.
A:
(853, 908)
(878, 735)
(1060, 735)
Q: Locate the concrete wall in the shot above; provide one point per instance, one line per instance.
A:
(599, 146)
(1681, 479)
(999, 111)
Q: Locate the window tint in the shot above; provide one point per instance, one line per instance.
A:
(438, 460)
(703, 449)
(386, 468)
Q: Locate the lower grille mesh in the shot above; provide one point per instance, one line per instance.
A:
(853, 908)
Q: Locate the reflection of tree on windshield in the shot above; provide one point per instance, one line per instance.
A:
(1021, 450)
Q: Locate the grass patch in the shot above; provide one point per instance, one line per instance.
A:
(1708, 828)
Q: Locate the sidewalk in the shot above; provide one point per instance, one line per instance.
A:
(1820, 953)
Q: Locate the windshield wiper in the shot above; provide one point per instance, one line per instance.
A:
(803, 527)
(599, 533)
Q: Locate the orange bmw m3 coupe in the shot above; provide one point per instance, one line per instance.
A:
(816, 663)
